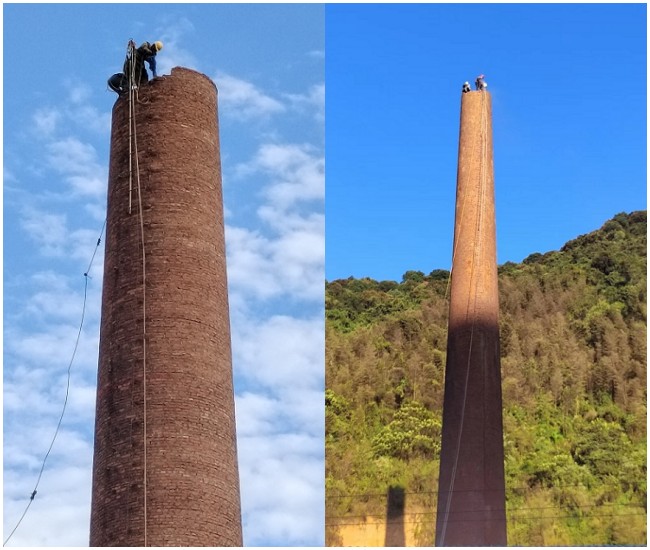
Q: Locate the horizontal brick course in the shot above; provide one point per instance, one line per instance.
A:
(192, 496)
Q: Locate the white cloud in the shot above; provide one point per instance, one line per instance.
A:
(70, 155)
(53, 348)
(76, 111)
(290, 265)
(297, 173)
(97, 210)
(287, 222)
(46, 120)
(291, 261)
(281, 352)
(55, 239)
(286, 409)
(59, 515)
(283, 500)
(77, 162)
(301, 249)
(250, 267)
(22, 393)
(78, 92)
(243, 100)
(48, 230)
(33, 396)
(79, 111)
(89, 117)
(173, 54)
(313, 101)
(256, 414)
(53, 298)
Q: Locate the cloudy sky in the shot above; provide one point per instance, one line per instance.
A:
(268, 64)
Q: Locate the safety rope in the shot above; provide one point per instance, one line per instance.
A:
(131, 80)
(144, 336)
(477, 252)
(67, 389)
(133, 149)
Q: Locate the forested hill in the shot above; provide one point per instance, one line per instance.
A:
(573, 358)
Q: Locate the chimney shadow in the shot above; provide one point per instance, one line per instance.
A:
(395, 535)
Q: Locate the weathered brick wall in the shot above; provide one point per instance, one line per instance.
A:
(192, 482)
(471, 498)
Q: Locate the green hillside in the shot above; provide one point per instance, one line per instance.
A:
(573, 358)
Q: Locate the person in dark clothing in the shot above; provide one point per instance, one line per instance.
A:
(466, 87)
(480, 83)
(146, 52)
(119, 82)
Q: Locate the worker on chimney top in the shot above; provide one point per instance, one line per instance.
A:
(146, 52)
(466, 87)
(480, 83)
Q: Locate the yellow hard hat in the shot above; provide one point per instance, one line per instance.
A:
(159, 45)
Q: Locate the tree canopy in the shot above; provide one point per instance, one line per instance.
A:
(573, 360)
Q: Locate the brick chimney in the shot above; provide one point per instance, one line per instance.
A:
(165, 465)
(471, 494)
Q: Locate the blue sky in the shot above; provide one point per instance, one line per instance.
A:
(268, 64)
(568, 85)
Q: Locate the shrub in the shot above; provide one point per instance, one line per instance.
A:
(414, 431)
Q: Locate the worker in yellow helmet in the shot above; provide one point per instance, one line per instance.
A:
(146, 52)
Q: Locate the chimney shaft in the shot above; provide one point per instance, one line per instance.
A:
(471, 497)
(165, 465)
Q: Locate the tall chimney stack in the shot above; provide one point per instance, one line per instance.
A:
(471, 495)
(165, 466)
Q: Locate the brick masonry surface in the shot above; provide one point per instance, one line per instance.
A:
(192, 481)
(471, 460)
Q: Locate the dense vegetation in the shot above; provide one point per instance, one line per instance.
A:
(573, 359)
